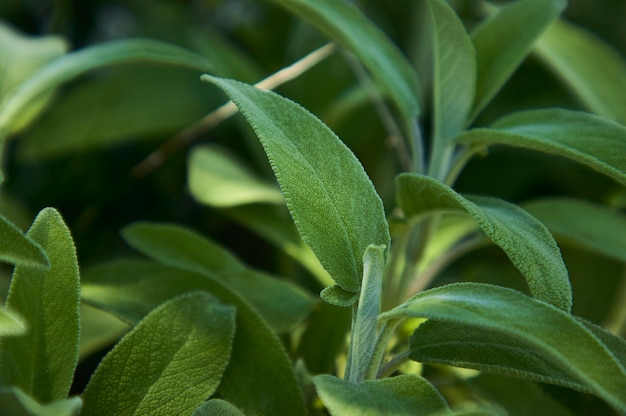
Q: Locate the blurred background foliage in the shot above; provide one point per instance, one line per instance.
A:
(80, 154)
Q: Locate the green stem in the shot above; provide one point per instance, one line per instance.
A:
(395, 363)
(384, 335)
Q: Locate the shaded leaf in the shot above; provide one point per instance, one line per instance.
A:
(336, 296)
(76, 63)
(504, 39)
(402, 395)
(217, 407)
(591, 69)
(334, 204)
(18, 249)
(281, 304)
(168, 364)
(346, 25)
(585, 138)
(42, 362)
(217, 178)
(98, 329)
(528, 243)
(585, 224)
(572, 348)
(14, 402)
(259, 379)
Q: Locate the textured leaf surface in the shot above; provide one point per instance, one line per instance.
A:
(14, 402)
(346, 25)
(591, 69)
(585, 138)
(18, 249)
(42, 362)
(168, 364)
(504, 39)
(334, 204)
(280, 303)
(526, 241)
(76, 63)
(217, 178)
(591, 226)
(402, 395)
(217, 407)
(259, 379)
(554, 334)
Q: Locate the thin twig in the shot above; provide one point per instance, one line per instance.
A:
(187, 135)
(394, 364)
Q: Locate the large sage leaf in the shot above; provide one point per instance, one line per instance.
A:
(454, 81)
(504, 39)
(282, 304)
(585, 138)
(73, 64)
(168, 364)
(18, 249)
(42, 362)
(406, 394)
(526, 241)
(217, 178)
(346, 25)
(585, 224)
(553, 334)
(334, 204)
(591, 69)
(259, 379)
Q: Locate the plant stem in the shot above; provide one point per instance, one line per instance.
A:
(395, 363)
(190, 133)
(384, 335)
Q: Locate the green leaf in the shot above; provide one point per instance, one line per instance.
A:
(554, 334)
(585, 138)
(336, 296)
(14, 402)
(11, 324)
(504, 39)
(42, 362)
(73, 64)
(98, 330)
(259, 379)
(454, 81)
(528, 243)
(217, 178)
(590, 68)
(217, 407)
(402, 395)
(346, 25)
(584, 224)
(334, 204)
(280, 303)
(18, 249)
(168, 364)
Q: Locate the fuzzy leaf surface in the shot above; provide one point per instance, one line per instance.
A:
(585, 138)
(504, 39)
(217, 178)
(591, 226)
(555, 335)
(591, 69)
(282, 304)
(42, 362)
(168, 364)
(406, 394)
(18, 249)
(259, 379)
(331, 199)
(526, 241)
(217, 407)
(71, 65)
(347, 26)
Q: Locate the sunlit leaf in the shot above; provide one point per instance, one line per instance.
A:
(168, 364)
(553, 334)
(526, 241)
(217, 407)
(591, 69)
(42, 362)
(504, 39)
(585, 138)
(14, 402)
(19, 249)
(334, 204)
(346, 25)
(11, 324)
(217, 178)
(402, 395)
(281, 304)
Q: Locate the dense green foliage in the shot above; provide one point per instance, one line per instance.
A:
(460, 253)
